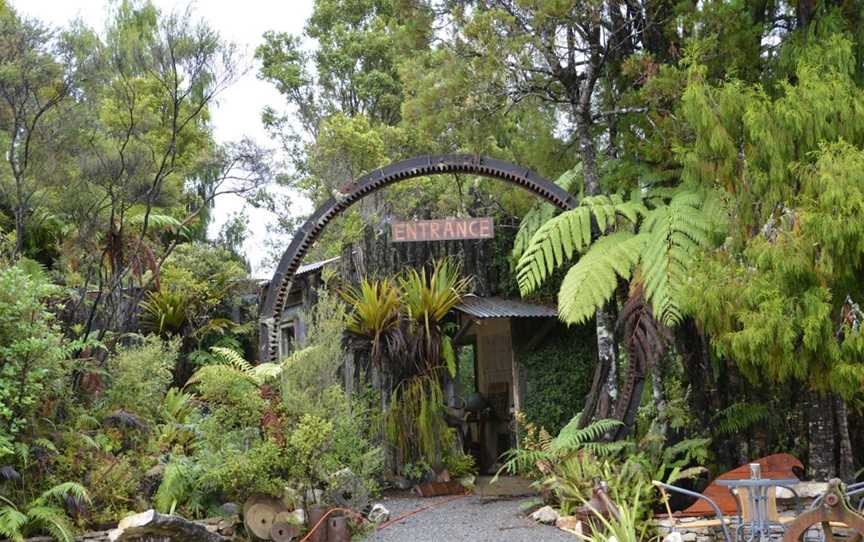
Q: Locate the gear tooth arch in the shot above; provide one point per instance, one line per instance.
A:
(280, 284)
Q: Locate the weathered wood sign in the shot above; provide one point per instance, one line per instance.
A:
(449, 229)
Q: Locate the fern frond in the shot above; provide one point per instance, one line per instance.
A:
(675, 234)
(528, 226)
(552, 245)
(266, 371)
(53, 520)
(12, 521)
(522, 460)
(740, 416)
(572, 437)
(232, 358)
(45, 444)
(592, 280)
(61, 491)
(175, 486)
(555, 242)
(690, 473)
(541, 213)
(449, 355)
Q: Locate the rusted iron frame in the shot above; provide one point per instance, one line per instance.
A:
(280, 285)
(832, 507)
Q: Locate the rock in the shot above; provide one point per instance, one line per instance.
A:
(229, 509)
(400, 482)
(689, 537)
(546, 515)
(569, 523)
(378, 514)
(674, 536)
(152, 525)
(806, 490)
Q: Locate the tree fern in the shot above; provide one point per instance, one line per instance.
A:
(661, 239)
(676, 232)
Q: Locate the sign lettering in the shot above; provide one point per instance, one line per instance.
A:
(450, 229)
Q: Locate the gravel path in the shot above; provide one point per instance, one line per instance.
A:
(472, 518)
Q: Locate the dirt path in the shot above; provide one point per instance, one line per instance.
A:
(475, 518)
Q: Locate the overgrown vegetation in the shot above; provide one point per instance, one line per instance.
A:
(713, 253)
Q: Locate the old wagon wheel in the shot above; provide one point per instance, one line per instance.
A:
(833, 510)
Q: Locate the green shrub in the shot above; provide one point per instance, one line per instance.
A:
(140, 376)
(32, 350)
(233, 402)
(264, 468)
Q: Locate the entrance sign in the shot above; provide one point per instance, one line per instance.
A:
(451, 229)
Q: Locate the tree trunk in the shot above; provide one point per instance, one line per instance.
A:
(698, 372)
(659, 399)
(19, 230)
(604, 391)
(820, 433)
(846, 461)
(607, 357)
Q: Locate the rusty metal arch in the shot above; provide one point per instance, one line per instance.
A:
(280, 285)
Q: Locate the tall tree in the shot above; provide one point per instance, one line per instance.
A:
(32, 85)
(149, 169)
(781, 296)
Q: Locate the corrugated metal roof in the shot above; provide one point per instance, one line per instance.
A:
(314, 266)
(498, 307)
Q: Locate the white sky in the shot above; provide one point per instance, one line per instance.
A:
(238, 111)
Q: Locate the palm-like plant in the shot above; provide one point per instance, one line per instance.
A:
(403, 325)
(375, 314)
(166, 311)
(427, 298)
(44, 514)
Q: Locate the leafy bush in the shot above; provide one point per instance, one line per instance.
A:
(263, 468)
(140, 376)
(569, 465)
(32, 350)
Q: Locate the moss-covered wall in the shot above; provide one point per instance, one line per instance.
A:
(557, 372)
